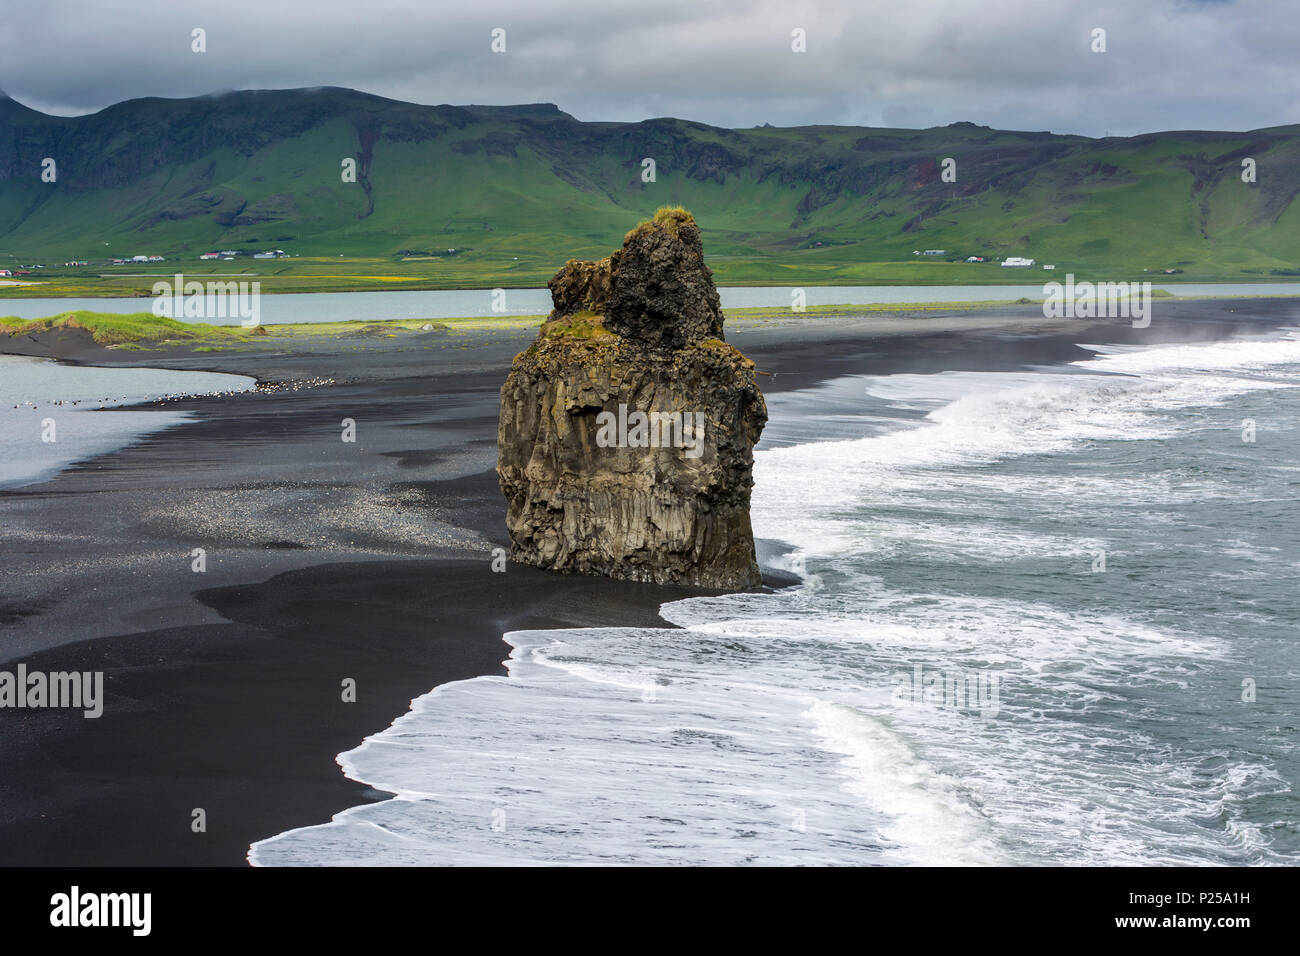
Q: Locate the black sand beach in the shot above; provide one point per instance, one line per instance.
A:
(328, 560)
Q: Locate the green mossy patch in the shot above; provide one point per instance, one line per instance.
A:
(668, 218)
(581, 326)
(726, 351)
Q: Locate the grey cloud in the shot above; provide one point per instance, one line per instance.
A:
(1170, 64)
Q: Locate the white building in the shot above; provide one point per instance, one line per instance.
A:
(1015, 262)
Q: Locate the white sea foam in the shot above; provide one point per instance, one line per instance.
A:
(770, 728)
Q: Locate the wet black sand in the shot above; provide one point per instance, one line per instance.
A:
(327, 561)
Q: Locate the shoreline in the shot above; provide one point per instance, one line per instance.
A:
(328, 561)
(21, 291)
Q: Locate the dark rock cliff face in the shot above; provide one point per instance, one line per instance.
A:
(627, 431)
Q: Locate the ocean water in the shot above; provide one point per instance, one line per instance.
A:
(1046, 617)
(458, 303)
(73, 405)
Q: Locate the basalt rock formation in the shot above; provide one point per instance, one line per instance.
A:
(627, 431)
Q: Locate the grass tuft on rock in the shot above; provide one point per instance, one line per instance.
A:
(668, 218)
(581, 326)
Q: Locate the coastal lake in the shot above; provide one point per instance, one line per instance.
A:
(450, 304)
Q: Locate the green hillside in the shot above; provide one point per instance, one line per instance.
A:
(514, 191)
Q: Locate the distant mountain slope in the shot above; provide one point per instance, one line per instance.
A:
(262, 169)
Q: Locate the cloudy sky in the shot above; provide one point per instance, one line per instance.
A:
(1013, 64)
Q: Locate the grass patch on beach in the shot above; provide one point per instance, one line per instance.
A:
(143, 330)
(113, 329)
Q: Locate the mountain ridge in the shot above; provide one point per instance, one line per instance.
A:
(246, 168)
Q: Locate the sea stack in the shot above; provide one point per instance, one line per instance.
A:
(627, 431)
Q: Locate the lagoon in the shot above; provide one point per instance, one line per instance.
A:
(449, 304)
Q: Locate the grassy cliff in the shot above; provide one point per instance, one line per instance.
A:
(450, 196)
